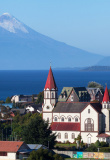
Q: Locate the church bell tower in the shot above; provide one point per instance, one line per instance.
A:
(50, 97)
(106, 111)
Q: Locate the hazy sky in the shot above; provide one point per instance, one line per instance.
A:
(81, 23)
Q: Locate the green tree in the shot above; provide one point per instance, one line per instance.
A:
(8, 100)
(40, 97)
(33, 98)
(37, 131)
(95, 85)
(97, 143)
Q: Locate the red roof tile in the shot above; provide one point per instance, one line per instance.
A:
(50, 83)
(106, 95)
(65, 126)
(103, 135)
(10, 146)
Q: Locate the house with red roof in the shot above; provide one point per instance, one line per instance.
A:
(12, 150)
(68, 119)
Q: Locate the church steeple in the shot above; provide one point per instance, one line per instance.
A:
(106, 95)
(50, 83)
(105, 111)
(50, 97)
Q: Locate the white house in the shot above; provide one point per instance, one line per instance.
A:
(34, 108)
(70, 119)
(11, 150)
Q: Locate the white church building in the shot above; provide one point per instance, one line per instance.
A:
(91, 120)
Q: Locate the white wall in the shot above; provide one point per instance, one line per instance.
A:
(66, 116)
(47, 115)
(93, 115)
(10, 156)
(91, 135)
(69, 136)
(15, 99)
(29, 108)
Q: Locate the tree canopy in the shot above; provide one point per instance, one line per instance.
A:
(32, 129)
(95, 85)
(8, 100)
(40, 97)
(37, 132)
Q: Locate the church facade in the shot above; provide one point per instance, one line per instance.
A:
(69, 119)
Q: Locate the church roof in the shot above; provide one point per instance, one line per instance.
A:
(70, 107)
(75, 107)
(65, 94)
(50, 83)
(96, 106)
(65, 126)
(106, 95)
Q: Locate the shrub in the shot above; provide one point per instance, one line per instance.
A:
(92, 148)
(104, 144)
(105, 149)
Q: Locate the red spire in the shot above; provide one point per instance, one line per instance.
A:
(50, 83)
(106, 95)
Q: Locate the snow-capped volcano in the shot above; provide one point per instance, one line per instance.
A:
(24, 48)
(11, 24)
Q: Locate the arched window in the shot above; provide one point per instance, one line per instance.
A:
(62, 119)
(72, 136)
(89, 124)
(69, 119)
(52, 95)
(66, 135)
(47, 95)
(55, 119)
(76, 119)
(59, 135)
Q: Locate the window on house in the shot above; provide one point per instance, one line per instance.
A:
(59, 135)
(72, 136)
(88, 110)
(55, 119)
(3, 153)
(62, 119)
(66, 135)
(104, 106)
(76, 119)
(69, 119)
(52, 95)
(89, 124)
(47, 95)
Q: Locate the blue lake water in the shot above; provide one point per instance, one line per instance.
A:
(32, 82)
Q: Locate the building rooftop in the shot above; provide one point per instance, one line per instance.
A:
(10, 146)
(65, 126)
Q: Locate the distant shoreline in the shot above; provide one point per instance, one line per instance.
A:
(87, 69)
